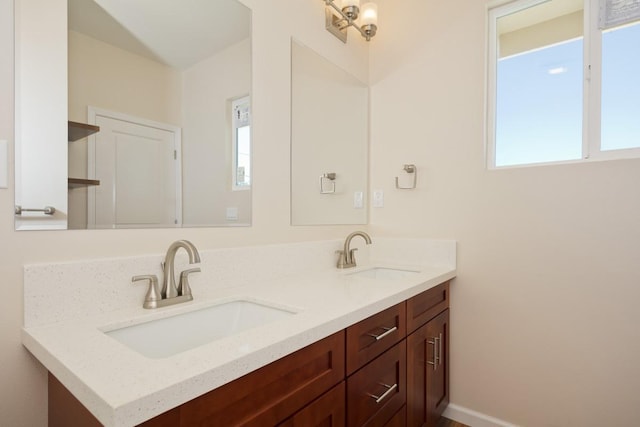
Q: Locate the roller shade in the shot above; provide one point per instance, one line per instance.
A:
(618, 12)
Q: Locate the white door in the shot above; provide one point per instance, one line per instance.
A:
(138, 165)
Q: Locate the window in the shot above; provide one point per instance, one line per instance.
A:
(620, 88)
(562, 81)
(241, 144)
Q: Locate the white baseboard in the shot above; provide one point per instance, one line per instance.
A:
(473, 418)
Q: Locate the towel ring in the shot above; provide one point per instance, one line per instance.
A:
(411, 170)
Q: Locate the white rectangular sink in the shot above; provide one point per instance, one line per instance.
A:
(172, 335)
(385, 273)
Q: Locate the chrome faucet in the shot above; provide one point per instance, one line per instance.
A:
(170, 293)
(346, 257)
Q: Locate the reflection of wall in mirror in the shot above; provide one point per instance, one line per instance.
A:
(104, 76)
(208, 89)
(329, 134)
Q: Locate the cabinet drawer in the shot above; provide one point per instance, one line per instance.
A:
(377, 391)
(372, 336)
(427, 305)
(271, 394)
(326, 411)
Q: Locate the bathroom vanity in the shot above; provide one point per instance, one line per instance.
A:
(368, 346)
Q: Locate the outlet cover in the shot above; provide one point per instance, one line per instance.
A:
(232, 214)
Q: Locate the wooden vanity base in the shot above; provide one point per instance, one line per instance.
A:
(391, 370)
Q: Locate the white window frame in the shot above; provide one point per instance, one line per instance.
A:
(234, 143)
(592, 84)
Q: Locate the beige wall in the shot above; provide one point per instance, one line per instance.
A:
(22, 379)
(107, 77)
(545, 319)
(557, 30)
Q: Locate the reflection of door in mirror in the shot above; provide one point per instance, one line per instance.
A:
(329, 141)
(138, 167)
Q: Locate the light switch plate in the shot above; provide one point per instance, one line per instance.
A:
(4, 165)
(378, 198)
(358, 199)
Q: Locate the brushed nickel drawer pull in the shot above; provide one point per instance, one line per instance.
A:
(440, 350)
(384, 334)
(436, 345)
(390, 389)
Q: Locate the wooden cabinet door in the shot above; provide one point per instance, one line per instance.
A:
(399, 419)
(428, 372)
(327, 411)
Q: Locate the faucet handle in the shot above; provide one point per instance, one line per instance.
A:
(342, 261)
(352, 257)
(153, 295)
(183, 288)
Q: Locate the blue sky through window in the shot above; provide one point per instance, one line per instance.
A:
(539, 100)
(539, 105)
(621, 88)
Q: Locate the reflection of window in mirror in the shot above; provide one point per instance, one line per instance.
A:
(241, 143)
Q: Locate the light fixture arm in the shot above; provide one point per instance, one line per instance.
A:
(337, 25)
(345, 18)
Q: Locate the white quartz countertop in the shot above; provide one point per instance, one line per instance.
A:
(122, 388)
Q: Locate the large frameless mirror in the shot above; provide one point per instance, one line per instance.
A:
(158, 120)
(329, 141)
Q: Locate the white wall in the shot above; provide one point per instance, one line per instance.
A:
(22, 379)
(545, 307)
(208, 87)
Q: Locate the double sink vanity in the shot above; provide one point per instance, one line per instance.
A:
(274, 335)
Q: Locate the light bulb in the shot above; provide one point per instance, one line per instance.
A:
(369, 14)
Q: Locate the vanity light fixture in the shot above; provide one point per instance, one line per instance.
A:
(347, 16)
